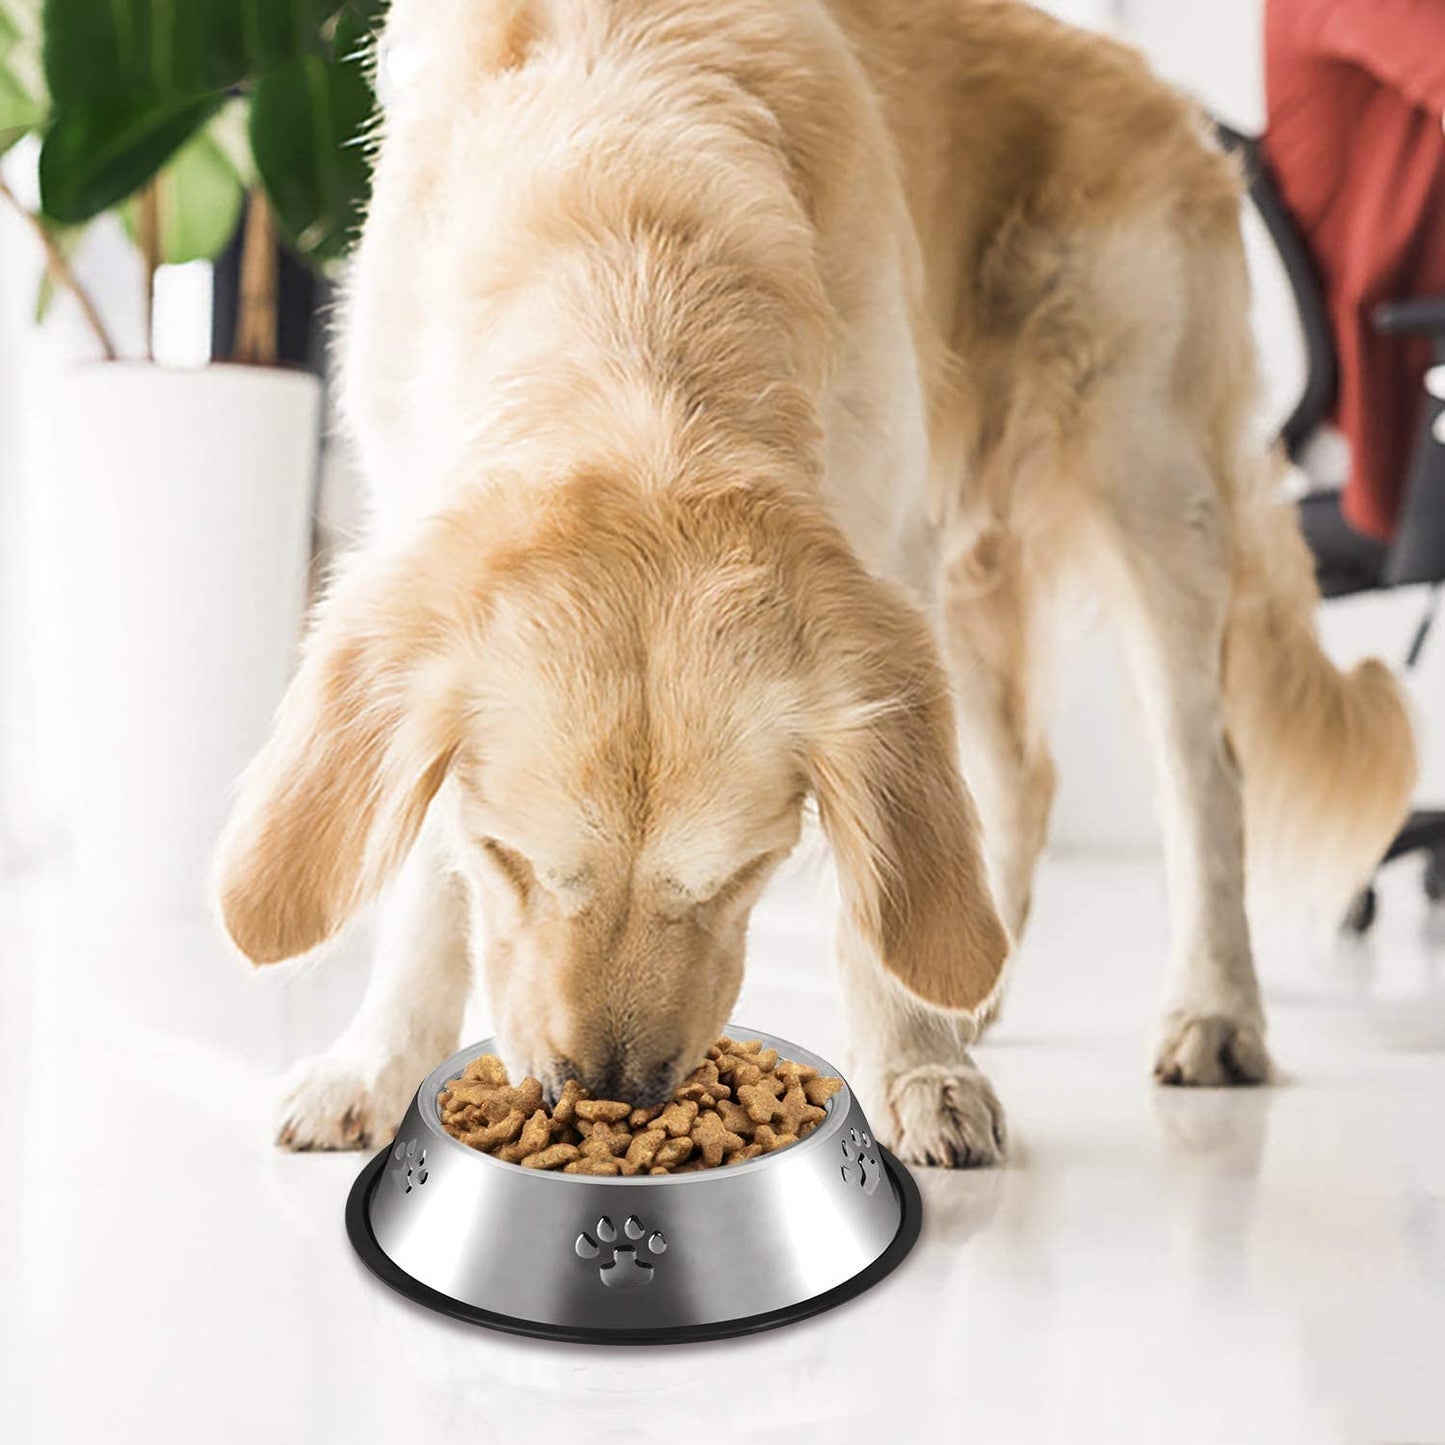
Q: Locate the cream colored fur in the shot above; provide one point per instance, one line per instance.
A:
(737, 380)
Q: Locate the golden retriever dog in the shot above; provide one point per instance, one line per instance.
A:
(739, 383)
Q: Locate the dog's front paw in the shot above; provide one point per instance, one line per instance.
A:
(944, 1114)
(341, 1101)
(1211, 1051)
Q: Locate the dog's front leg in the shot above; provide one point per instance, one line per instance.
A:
(354, 1095)
(928, 1100)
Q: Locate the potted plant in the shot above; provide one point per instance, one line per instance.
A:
(187, 493)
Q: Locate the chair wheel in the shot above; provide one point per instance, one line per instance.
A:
(1435, 877)
(1361, 916)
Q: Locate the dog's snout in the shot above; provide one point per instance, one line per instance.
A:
(607, 1080)
(621, 1076)
(655, 1086)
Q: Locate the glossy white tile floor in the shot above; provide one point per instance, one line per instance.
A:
(1264, 1266)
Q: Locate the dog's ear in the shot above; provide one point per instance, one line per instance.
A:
(899, 817)
(361, 743)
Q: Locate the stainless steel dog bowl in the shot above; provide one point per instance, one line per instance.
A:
(652, 1259)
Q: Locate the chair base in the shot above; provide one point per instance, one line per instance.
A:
(1424, 832)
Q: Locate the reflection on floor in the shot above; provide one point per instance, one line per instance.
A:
(1264, 1266)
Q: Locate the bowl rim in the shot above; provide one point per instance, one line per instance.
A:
(431, 1086)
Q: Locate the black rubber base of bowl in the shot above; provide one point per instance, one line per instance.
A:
(358, 1228)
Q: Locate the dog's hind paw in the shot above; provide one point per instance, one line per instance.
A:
(338, 1101)
(1211, 1051)
(944, 1114)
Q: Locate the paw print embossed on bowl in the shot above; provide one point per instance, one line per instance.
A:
(860, 1165)
(626, 1261)
(408, 1170)
(634, 1259)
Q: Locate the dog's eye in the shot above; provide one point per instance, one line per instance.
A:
(512, 866)
(746, 877)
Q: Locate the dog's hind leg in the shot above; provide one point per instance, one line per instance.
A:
(354, 1095)
(1167, 572)
(993, 639)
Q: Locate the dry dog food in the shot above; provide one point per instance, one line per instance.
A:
(740, 1102)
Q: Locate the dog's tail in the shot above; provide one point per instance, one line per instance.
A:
(1328, 757)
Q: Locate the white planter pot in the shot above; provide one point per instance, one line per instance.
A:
(185, 526)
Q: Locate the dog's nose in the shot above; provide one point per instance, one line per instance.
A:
(605, 1081)
(620, 1077)
(653, 1085)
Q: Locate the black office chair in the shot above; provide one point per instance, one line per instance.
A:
(1418, 553)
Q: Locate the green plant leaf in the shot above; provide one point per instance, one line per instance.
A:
(230, 133)
(19, 113)
(199, 197)
(98, 49)
(358, 24)
(44, 298)
(68, 241)
(369, 14)
(135, 80)
(23, 103)
(96, 154)
(307, 117)
(20, 45)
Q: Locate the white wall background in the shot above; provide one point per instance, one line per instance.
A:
(1212, 49)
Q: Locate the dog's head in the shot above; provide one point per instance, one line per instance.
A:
(629, 698)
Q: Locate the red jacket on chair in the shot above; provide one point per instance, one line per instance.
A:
(1356, 95)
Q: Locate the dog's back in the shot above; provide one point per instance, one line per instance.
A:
(1004, 116)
